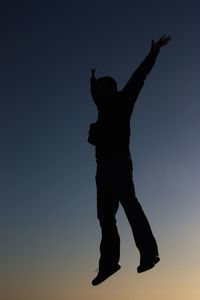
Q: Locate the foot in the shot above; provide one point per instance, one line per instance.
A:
(147, 263)
(104, 273)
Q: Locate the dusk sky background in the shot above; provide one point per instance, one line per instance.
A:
(49, 233)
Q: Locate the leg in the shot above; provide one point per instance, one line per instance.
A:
(107, 207)
(141, 229)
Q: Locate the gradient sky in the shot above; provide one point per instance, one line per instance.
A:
(48, 228)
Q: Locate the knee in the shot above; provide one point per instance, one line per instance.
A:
(107, 223)
(131, 205)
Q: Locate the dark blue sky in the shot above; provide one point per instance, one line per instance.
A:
(46, 166)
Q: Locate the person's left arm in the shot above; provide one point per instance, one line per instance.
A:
(136, 82)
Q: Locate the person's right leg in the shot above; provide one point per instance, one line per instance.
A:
(107, 207)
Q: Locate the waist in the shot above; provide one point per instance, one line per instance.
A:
(113, 152)
(114, 164)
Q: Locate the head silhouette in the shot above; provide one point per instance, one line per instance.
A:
(105, 88)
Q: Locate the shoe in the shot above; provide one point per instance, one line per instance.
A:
(104, 273)
(147, 263)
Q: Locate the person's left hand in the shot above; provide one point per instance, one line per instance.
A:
(161, 42)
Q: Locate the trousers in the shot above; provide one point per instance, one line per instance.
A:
(115, 185)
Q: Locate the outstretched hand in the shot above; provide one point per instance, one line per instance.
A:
(161, 42)
(93, 71)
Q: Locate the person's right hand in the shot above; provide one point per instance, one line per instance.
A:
(93, 71)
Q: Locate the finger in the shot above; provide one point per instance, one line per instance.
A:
(152, 43)
(160, 41)
(162, 37)
(166, 38)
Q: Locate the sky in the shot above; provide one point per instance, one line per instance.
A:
(48, 227)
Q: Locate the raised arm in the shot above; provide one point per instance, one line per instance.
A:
(136, 81)
(92, 85)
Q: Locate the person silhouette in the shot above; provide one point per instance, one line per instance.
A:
(110, 135)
